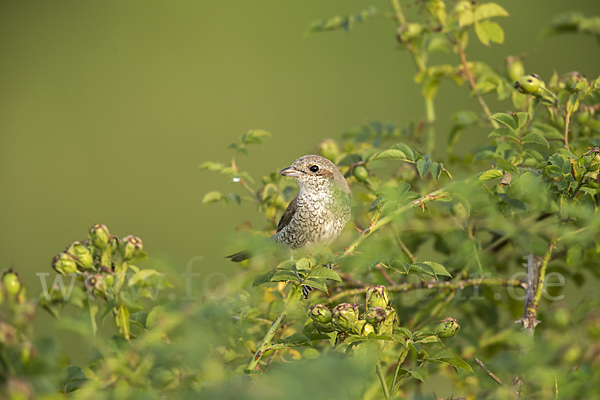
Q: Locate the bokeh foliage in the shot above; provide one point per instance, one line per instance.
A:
(473, 237)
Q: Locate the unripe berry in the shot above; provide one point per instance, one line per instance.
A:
(11, 283)
(360, 173)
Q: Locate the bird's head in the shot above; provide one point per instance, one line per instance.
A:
(316, 173)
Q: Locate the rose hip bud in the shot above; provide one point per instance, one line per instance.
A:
(377, 296)
(447, 328)
(516, 69)
(345, 317)
(375, 315)
(320, 313)
(329, 149)
(83, 255)
(64, 264)
(530, 84)
(99, 236)
(323, 328)
(11, 282)
(131, 247)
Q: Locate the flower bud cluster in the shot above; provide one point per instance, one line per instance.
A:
(94, 259)
(379, 318)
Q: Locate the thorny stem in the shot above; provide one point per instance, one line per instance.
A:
(404, 287)
(533, 295)
(381, 376)
(463, 61)
(435, 195)
(292, 298)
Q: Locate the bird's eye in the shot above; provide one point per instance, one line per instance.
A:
(314, 168)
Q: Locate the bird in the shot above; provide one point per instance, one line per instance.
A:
(318, 213)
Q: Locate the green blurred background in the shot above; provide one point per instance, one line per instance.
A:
(107, 109)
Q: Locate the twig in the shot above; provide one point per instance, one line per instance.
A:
(404, 287)
(536, 274)
(385, 275)
(490, 373)
(413, 259)
(435, 195)
(463, 61)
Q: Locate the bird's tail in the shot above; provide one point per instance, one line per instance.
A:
(240, 256)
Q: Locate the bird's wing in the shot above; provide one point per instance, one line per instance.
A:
(287, 214)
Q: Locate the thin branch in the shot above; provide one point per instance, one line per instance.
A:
(385, 275)
(404, 287)
(463, 61)
(410, 255)
(490, 373)
(435, 195)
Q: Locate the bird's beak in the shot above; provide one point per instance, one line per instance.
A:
(290, 171)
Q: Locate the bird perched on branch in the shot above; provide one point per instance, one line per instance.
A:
(317, 215)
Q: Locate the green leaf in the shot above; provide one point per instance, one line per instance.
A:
(323, 272)
(522, 119)
(287, 265)
(457, 362)
(153, 316)
(506, 120)
(316, 283)
(408, 152)
(489, 10)
(436, 170)
(489, 31)
(254, 136)
(549, 131)
(491, 174)
(423, 166)
(281, 276)
(297, 338)
(438, 269)
(390, 154)
(508, 132)
(429, 339)
(211, 166)
(262, 278)
(535, 137)
(302, 264)
(421, 268)
(419, 373)
(212, 197)
(139, 318)
(506, 166)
